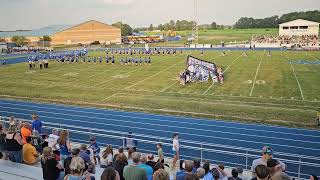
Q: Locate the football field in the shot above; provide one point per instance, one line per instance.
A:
(282, 89)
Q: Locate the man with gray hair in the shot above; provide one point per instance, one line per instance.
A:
(148, 169)
(133, 171)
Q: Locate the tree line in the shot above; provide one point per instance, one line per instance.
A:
(274, 21)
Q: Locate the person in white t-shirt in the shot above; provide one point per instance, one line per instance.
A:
(52, 140)
(175, 149)
(107, 157)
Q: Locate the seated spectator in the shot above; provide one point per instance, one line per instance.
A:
(275, 171)
(74, 153)
(196, 165)
(77, 170)
(261, 172)
(187, 170)
(130, 152)
(25, 131)
(313, 177)
(53, 140)
(3, 153)
(86, 158)
(37, 141)
(14, 144)
(240, 173)
(234, 174)
(161, 174)
(29, 152)
(200, 173)
(148, 169)
(151, 161)
(132, 171)
(267, 153)
(215, 173)
(107, 157)
(120, 163)
(191, 177)
(36, 123)
(110, 174)
(51, 169)
(207, 172)
(95, 149)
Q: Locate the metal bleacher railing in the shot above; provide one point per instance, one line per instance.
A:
(234, 156)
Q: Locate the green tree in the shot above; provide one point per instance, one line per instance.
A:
(20, 40)
(45, 38)
(126, 30)
(160, 27)
(151, 27)
(213, 25)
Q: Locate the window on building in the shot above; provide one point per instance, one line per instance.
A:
(293, 27)
(303, 27)
(285, 27)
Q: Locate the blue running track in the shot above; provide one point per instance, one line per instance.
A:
(224, 136)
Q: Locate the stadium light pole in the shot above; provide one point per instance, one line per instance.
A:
(195, 33)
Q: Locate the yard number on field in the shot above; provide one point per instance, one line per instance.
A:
(257, 82)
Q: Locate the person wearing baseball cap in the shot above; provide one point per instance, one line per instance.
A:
(275, 171)
(267, 153)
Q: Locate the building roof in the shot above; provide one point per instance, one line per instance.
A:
(92, 22)
(50, 30)
(300, 22)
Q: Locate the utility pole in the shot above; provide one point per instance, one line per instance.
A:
(195, 33)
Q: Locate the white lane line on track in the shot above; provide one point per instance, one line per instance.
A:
(165, 131)
(186, 118)
(162, 125)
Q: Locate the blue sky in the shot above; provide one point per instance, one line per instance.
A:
(31, 14)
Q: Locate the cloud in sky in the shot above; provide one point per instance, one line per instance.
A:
(118, 2)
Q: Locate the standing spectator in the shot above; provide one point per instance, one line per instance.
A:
(188, 170)
(36, 123)
(207, 172)
(130, 142)
(25, 131)
(120, 151)
(261, 172)
(150, 161)
(51, 169)
(37, 141)
(3, 153)
(148, 169)
(95, 149)
(275, 171)
(77, 166)
(161, 174)
(160, 153)
(107, 157)
(191, 177)
(64, 145)
(158, 166)
(130, 152)
(53, 142)
(29, 152)
(234, 174)
(196, 165)
(222, 174)
(110, 174)
(132, 171)
(14, 144)
(215, 173)
(267, 153)
(175, 150)
(120, 163)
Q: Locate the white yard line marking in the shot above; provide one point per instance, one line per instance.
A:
(295, 75)
(101, 84)
(128, 87)
(223, 72)
(255, 77)
(164, 89)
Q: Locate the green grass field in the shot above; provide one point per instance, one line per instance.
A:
(257, 88)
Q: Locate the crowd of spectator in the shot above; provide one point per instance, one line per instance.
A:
(303, 40)
(22, 142)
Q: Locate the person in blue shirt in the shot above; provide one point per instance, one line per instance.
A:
(36, 123)
(96, 149)
(147, 168)
(187, 170)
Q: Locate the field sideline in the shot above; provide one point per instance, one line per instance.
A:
(257, 88)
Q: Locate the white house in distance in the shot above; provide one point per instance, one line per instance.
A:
(299, 27)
